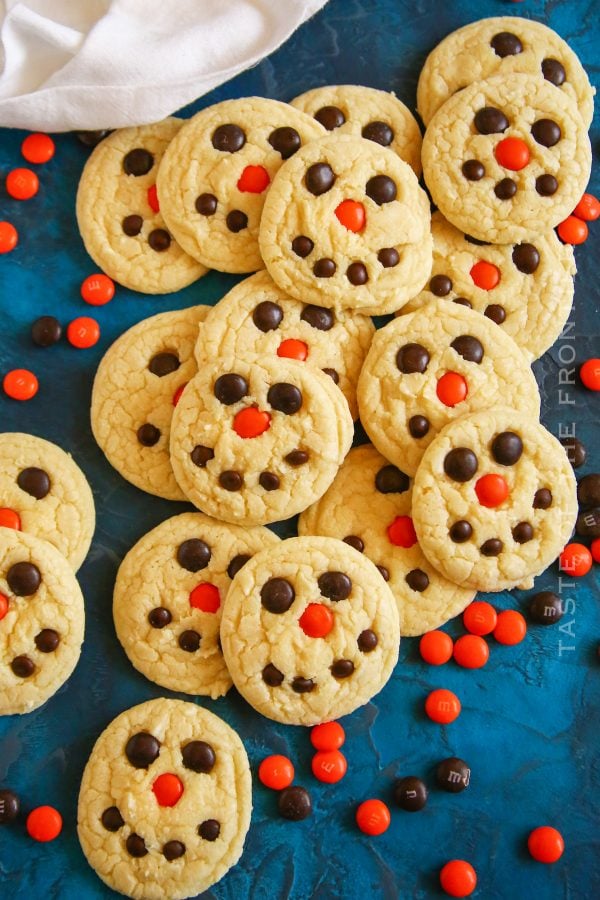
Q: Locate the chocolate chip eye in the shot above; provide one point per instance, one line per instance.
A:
(272, 676)
(34, 482)
(228, 138)
(324, 268)
(330, 117)
(546, 185)
(460, 531)
(206, 204)
(112, 819)
(285, 398)
(490, 120)
(237, 563)
(267, 316)
(302, 246)
(198, 756)
(319, 178)
(496, 313)
(412, 358)
(506, 44)
(526, 258)
(193, 555)
(286, 141)
(468, 347)
(382, 189)
(460, 464)
(546, 132)
(163, 364)
(507, 448)
(230, 388)
(379, 132)
(473, 170)
(142, 749)
(390, 480)
(542, 499)
(132, 225)
(138, 162)
(318, 317)
(277, 595)
(367, 641)
(554, 71)
(24, 579)
(440, 285)
(335, 585)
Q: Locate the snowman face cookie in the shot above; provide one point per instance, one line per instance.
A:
(346, 225)
(119, 215)
(494, 500)
(257, 320)
(215, 176)
(432, 366)
(369, 506)
(366, 112)
(165, 801)
(168, 599)
(253, 443)
(309, 631)
(41, 621)
(526, 288)
(506, 159)
(136, 388)
(44, 493)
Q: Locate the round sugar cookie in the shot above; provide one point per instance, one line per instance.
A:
(502, 45)
(215, 176)
(507, 159)
(44, 493)
(494, 500)
(42, 619)
(135, 390)
(526, 288)
(168, 598)
(309, 631)
(434, 365)
(258, 320)
(369, 506)
(256, 442)
(165, 801)
(346, 225)
(377, 116)
(118, 212)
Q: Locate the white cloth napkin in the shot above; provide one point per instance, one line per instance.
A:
(93, 64)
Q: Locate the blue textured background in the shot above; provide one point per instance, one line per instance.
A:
(531, 718)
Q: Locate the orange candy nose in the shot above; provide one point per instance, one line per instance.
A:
(253, 180)
(3, 605)
(205, 597)
(401, 532)
(153, 199)
(293, 349)
(491, 490)
(352, 215)
(251, 422)
(9, 518)
(451, 389)
(485, 275)
(512, 153)
(316, 620)
(167, 789)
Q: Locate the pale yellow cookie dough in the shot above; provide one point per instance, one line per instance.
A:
(319, 678)
(207, 825)
(121, 231)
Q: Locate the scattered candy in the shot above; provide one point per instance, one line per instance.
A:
(453, 775)
(20, 384)
(590, 374)
(373, 817)
(44, 823)
(167, 789)
(294, 803)
(436, 647)
(485, 275)
(546, 844)
(510, 628)
(46, 331)
(329, 766)
(83, 332)
(545, 608)
(97, 289)
(458, 878)
(576, 452)
(22, 184)
(588, 490)
(572, 231)
(588, 208)
(442, 706)
(595, 548)
(451, 389)
(10, 519)
(9, 803)
(38, 148)
(9, 237)
(410, 793)
(328, 736)
(276, 772)
(480, 617)
(575, 559)
(471, 651)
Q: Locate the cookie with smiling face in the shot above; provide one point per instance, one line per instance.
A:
(136, 387)
(257, 320)
(526, 288)
(309, 631)
(168, 623)
(504, 159)
(494, 500)
(366, 112)
(253, 443)
(165, 801)
(369, 506)
(346, 225)
(41, 621)
(432, 366)
(119, 216)
(44, 493)
(216, 174)
(502, 45)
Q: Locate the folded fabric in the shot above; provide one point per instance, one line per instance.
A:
(94, 64)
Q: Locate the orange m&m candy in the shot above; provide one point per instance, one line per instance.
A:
(401, 532)
(491, 490)
(328, 736)
(442, 706)
(153, 199)
(436, 647)
(471, 651)
(178, 393)
(588, 208)
(329, 766)
(83, 332)
(590, 374)
(167, 789)
(351, 214)
(44, 823)
(10, 519)
(546, 844)
(595, 548)
(512, 153)
(38, 148)
(485, 275)
(292, 348)
(20, 384)
(373, 817)
(22, 184)
(316, 620)
(276, 772)
(573, 231)
(451, 389)
(510, 628)
(458, 878)
(480, 617)
(253, 180)
(9, 237)
(576, 560)
(251, 422)
(205, 597)
(3, 605)
(97, 289)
